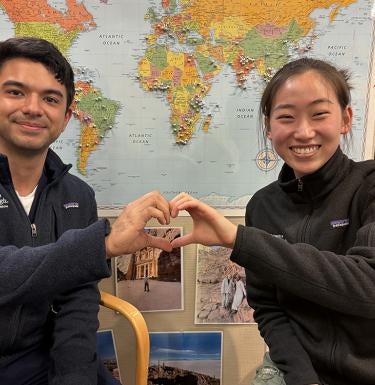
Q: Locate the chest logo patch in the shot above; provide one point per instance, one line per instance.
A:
(71, 205)
(339, 223)
(3, 202)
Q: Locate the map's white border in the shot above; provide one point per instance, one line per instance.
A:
(228, 212)
(369, 136)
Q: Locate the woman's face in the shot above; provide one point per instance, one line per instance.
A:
(306, 122)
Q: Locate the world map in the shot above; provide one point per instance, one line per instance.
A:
(167, 91)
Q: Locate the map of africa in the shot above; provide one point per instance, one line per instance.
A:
(168, 91)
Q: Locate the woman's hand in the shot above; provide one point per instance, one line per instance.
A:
(209, 226)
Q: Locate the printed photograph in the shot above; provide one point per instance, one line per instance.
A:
(185, 358)
(107, 352)
(220, 288)
(151, 278)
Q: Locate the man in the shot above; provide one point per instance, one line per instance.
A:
(146, 284)
(226, 287)
(52, 247)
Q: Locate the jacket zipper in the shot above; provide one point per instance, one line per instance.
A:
(333, 348)
(303, 239)
(15, 325)
(300, 185)
(34, 233)
(305, 225)
(16, 318)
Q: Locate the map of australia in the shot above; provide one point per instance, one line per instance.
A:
(167, 91)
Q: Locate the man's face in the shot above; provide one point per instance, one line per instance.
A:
(32, 107)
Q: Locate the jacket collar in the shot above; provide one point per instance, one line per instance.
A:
(54, 168)
(317, 185)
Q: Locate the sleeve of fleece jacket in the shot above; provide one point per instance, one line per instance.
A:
(28, 274)
(275, 328)
(344, 283)
(73, 351)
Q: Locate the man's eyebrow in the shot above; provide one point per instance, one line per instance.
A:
(317, 101)
(16, 83)
(13, 83)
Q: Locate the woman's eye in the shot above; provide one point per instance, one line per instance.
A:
(320, 114)
(284, 117)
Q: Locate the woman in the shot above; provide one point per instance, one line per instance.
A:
(308, 247)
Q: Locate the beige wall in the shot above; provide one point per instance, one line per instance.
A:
(243, 348)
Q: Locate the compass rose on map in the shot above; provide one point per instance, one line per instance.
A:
(266, 159)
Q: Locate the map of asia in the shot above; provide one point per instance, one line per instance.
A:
(168, 91)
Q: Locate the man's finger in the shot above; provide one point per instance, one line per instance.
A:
(155, 199)
(160, 243)
(153, 212)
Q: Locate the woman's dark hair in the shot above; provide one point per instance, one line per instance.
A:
(44, 52)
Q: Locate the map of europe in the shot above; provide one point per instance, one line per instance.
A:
(167, 91)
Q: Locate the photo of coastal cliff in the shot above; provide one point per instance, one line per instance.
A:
(185, 358)
(107, 352)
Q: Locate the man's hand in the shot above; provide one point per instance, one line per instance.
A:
(209, 227)
(127, 233)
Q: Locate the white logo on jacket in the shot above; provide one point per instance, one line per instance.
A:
(339, 223)
(3, 202)
(71, 205)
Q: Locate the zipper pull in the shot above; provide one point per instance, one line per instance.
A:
(33, 230)
(300, 185)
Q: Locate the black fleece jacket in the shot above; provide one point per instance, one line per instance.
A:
(309, 254)
(48, 262)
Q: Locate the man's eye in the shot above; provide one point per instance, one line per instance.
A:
(14, 92)
(50, 99)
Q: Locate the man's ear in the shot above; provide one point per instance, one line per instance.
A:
(347, 120)
(68, 115)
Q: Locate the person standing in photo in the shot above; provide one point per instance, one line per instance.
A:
(146, 284)
(239, 294)
(225, 291)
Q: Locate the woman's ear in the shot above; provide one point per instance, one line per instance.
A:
(347, 120)
(267, 127)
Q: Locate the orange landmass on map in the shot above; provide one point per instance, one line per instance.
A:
(23, 11)
(89, 138)
(88, 143)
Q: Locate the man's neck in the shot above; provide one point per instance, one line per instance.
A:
(26, 172)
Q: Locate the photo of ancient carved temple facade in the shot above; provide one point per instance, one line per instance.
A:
(151, 279)
(152, 262)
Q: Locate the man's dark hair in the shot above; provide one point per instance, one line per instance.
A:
(44, 52)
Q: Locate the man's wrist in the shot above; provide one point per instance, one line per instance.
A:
(107, 228)
(107, 231)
